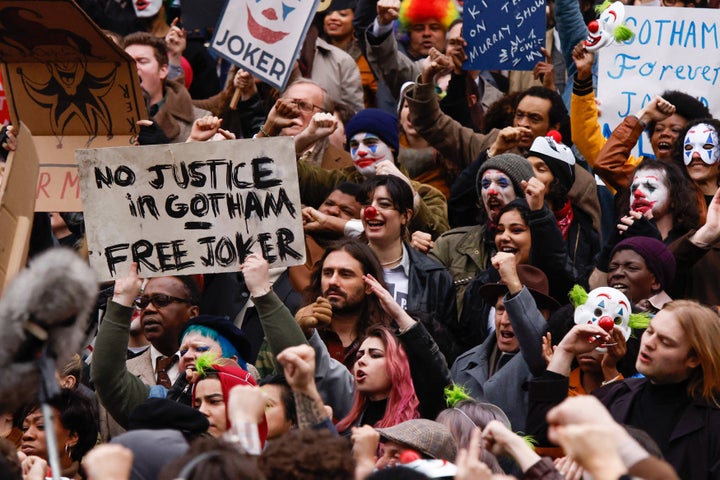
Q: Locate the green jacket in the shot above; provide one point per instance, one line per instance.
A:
(462, 251)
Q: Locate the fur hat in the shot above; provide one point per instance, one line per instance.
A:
(375, 121)
(419, 11)
(557, 156)
(517, 168)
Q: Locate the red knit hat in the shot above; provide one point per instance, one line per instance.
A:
(230, 374)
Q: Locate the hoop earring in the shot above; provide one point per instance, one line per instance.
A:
(68, 451)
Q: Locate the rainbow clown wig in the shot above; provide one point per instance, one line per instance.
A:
(420, 11)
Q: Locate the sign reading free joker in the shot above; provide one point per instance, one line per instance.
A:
(264, 36)
(192, 207)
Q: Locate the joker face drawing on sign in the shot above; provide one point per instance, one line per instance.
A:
(267, 20)
(69, 90)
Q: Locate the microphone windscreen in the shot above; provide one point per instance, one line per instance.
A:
(56, 292)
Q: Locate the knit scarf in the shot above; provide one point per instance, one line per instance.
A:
(564, 218)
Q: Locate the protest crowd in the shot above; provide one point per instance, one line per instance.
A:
(493, 287)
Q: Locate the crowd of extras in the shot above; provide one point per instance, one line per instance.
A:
(492, 288)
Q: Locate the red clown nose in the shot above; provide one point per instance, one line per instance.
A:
(370, 212)
(606, 323)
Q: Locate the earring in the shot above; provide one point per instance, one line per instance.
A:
(68, 452)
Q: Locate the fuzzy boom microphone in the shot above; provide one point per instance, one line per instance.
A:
(45, 307)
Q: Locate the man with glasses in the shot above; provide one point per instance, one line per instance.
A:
(165, 305)
(291, 116)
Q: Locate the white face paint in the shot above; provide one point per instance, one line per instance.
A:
(146, 8)
(605, 303)
(496, 191)
(702, 139)
(649, 192)
(366, 149)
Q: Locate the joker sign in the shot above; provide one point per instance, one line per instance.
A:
(264, 36)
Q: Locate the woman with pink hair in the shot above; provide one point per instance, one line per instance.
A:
(399, 372)
(384, 392)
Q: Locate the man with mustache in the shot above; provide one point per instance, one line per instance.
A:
(340, 304)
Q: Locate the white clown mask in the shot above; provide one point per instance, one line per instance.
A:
(703, 140)
(600, 31)
(605, 304)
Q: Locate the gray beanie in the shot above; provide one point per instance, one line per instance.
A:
(517, 168)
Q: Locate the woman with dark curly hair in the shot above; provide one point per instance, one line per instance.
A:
(662, 191)
(76, 429)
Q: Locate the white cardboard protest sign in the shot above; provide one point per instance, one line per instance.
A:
(673, 49)
(264, 36)
(191, 208)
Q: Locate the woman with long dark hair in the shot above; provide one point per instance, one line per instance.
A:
(418, 284)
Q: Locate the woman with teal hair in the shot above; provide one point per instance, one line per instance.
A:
(210, 333)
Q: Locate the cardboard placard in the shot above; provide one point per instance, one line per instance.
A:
(503, 35)
(265, 37)
(191, 208)
(17, 204)
(673, 49)
(70, 84)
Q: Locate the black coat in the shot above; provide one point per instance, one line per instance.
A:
(431, 299)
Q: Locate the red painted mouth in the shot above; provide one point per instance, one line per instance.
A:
(365, 163)
(263, 33)
(641, 206)
(141, 4)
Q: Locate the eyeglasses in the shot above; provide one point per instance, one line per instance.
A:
(307, 107)
(159, 300)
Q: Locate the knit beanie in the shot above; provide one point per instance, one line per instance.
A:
(375, 121)
(230, 375)
(517, 168)
(420, 11)
(557, 156)
(657, 257)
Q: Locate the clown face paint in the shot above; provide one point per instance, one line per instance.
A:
(496, 191)
(146, 8)
(366, 150)
(605, 303)
(701, 141)
(650, 192)
(600, 31)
